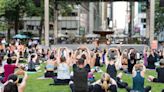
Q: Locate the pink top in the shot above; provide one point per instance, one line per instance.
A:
(8, 69)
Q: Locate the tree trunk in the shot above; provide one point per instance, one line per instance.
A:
(16, 25)
(8, 32)
(55, 25)
(16, 21)
(40, 29)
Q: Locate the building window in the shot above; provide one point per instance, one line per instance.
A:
(63, 28)
(71, 28)
(72, 14)
(143, 20)
(144, 26)
(143, 5)
(51, 27)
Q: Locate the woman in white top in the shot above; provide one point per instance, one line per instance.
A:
(117, 57)
(63, 69)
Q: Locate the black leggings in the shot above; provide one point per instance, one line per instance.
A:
(162, 90)
(61, 81)
(49, 74)
(157, 80)
(98, 88)
(72, 86)
(121, 84)
(146, 89)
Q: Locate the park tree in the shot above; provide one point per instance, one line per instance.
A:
(159, 16)
(12, 11)
(59, 8)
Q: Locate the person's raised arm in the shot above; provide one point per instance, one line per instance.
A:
(23, 83)
(87, 61)
(118, 53)
(143, 70)
(17, 59)
(75, 54)
(106, 57)
(58, 55)
(67, 56)
(36, 56)
(88, 56)
(134, 71)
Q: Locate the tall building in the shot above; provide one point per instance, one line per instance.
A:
(75, 22)
(84, 18)
(140, 19)
(97, 16)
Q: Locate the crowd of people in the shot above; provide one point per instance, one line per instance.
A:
(77, 67)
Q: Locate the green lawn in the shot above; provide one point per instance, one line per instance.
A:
(35, 85)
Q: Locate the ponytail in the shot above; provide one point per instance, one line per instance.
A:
(105, 80)
(105, 86)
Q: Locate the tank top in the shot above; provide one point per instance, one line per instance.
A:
(138, 82)
(63, 71)
(111, 70)
(97, 63)
(31, 65)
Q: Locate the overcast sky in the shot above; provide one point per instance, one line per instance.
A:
(119, 14)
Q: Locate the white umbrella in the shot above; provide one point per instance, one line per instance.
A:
(62, 35)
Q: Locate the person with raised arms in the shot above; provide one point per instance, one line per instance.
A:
(11, 84)
(81, 69)
(160, 73)
(138, 74)
(9, 68)
(63, 67)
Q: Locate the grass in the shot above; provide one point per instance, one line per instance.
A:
(35, 85)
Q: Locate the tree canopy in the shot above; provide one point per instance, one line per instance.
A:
(159, 16)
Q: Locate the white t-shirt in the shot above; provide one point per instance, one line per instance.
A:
(63, 71)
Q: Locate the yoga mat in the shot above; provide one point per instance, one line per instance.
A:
(43, 78)
(31, 72)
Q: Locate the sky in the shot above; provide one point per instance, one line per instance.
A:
(119, 14)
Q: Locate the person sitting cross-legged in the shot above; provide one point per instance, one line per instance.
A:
(11, 85)
(31, 64)
(9, 68)
(63, 68)
(50, 67)
(80, 74)
(160, 73)
(138, 73)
